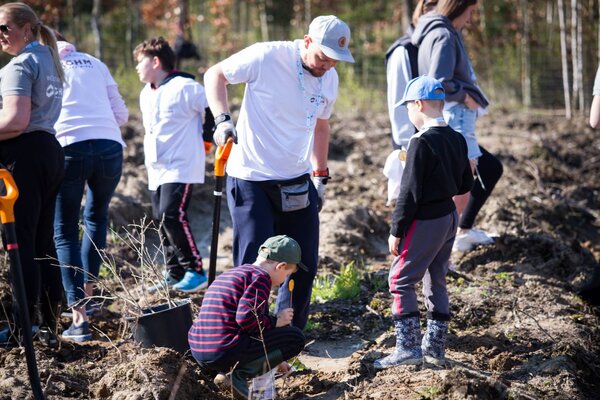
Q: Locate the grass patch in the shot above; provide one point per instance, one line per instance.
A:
(312, 326)
(503, 276)
(346, 285)
(430, 393)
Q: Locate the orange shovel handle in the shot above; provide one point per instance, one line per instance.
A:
(7, 202)
(221, 157)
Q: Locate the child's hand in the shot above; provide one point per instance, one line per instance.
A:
(284, 367)
(284, 317)
(393, 243)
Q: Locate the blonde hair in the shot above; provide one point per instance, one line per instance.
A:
(21, 14)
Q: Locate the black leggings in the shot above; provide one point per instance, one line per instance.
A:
(169, 206)
(288, 339)
(489, 170)
(36, 162)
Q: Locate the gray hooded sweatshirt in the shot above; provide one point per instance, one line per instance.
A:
(442, 55)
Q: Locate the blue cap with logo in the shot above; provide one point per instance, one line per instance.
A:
(332, 35)
(422, 88)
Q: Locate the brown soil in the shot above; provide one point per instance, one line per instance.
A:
(518, 331)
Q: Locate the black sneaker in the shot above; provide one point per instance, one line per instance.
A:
(47, 337)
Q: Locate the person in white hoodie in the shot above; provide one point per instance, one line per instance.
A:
(88, 129)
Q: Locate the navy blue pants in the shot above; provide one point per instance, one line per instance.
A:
(255, 219)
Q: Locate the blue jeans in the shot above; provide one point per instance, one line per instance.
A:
(462, 119)
(97, 163)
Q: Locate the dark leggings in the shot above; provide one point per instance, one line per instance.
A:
(288, 339)
(489, 170)
(36, 162)
(169, 206)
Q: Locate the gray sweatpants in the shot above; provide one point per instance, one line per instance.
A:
(424, 255)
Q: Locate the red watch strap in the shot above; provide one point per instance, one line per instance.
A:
(321, 172)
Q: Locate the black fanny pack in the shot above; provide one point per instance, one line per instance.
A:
(288, 195)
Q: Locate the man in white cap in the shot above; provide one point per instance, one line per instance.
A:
(282, 142)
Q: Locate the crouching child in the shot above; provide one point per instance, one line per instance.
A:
(424, 224)
(234, 333)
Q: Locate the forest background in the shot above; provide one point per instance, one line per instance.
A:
(541, 53)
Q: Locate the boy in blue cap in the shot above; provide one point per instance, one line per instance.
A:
(424, 225)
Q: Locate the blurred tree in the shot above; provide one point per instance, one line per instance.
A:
(97, 27)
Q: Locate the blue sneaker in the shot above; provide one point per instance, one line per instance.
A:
(168, 282)
(79, 333)
(192, 282)
(9, 338)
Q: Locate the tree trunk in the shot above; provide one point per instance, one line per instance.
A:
(407, 10)
(72, 24)
(96, 27)
(486, 60)
(183, 16)
(580, 58)
(563, 54)
(574, 55)
(264, 26)
(525, 57)
(133, 29)
(308, 11)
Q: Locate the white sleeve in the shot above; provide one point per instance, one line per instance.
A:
(243, 66)
(118, 106)
(194, 97)
(398, 75)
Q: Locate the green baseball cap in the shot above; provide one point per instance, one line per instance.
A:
(282, 248)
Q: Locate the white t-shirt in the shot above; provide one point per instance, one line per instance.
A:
(274, 141)
(92, 107)
(173, 115)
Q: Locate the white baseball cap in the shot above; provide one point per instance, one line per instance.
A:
(333, 36)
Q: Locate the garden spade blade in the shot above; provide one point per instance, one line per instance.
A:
(7, 217)
(221, 157)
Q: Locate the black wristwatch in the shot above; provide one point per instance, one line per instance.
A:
(222, 118)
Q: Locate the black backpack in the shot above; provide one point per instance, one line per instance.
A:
(413, 53)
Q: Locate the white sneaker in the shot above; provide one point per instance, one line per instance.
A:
(473, 237)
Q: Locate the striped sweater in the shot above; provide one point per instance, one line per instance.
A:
(232, 306)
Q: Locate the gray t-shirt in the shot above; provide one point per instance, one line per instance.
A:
(597, 83)
(32, 73)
